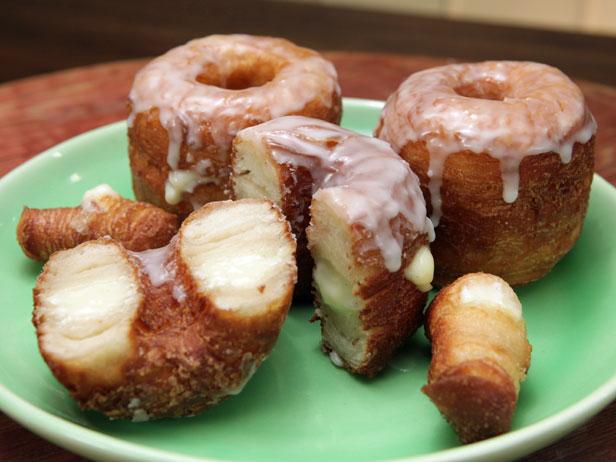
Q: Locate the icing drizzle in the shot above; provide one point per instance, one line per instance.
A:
(169, 83)
(362, 175)
(160, 269)
(506, 109)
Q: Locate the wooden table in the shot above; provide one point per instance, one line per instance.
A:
(42, 111)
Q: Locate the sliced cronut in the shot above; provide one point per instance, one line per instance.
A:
(366, 309)
(171, 331)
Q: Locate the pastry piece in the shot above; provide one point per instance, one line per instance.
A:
(188, 104)
(136, 225)
(170, 331)
(368, 234)
(480, 354)
(504, 152)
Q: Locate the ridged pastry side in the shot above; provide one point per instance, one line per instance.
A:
(521, 241)
(366, 311)
(136, 225)
(480, 355)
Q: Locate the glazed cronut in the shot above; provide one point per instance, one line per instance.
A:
(360, 222)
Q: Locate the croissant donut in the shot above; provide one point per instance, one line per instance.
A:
(102, 212)
(480, 354)
(187, 105)
(504, 152)
(171, 331)
(368, 232)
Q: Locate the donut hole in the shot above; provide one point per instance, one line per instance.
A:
(240, 72)
(482, 89)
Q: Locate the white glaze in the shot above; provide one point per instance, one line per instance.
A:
(90, 202)
(540, 111)
(489, 291)
(185, 106)
(178, 292)
(140, 415)
(248, 367)
(152, 262)
(361, 174)
(336, 359)
(155, 265)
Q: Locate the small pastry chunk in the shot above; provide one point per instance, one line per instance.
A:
(188, 104)
(368, 234)
(505, 154)
(480, 354)
(171, 331)
(136, 225)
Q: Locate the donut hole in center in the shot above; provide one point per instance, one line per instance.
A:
(482, 89)
(240, 72)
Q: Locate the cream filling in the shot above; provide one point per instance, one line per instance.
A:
(421, 269)
(340, 311)
(335, 290)
(185, 181)
(178, 182)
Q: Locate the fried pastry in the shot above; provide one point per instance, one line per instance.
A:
(358, 214)
(171, 331)
(505, 154)
(480, 354)
(187, 105)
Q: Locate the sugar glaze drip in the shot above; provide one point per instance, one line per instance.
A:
(169, 84)
(158, 266)
(362, 175)
(514, 109)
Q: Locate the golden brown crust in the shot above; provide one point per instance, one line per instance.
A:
(188, 354)
(370, 311)
(191, 350)
(520, 242)
(394, 311)
(149, 140)
(480, 354)
(35, 227)
(137, 225)
(393, 306)
(476, 397)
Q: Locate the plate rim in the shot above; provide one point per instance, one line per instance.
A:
(92, 443)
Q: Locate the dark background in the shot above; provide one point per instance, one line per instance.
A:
(42, 36)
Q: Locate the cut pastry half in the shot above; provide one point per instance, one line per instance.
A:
(170, 331)
(360, 221)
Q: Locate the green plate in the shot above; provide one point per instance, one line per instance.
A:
(299, 406)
